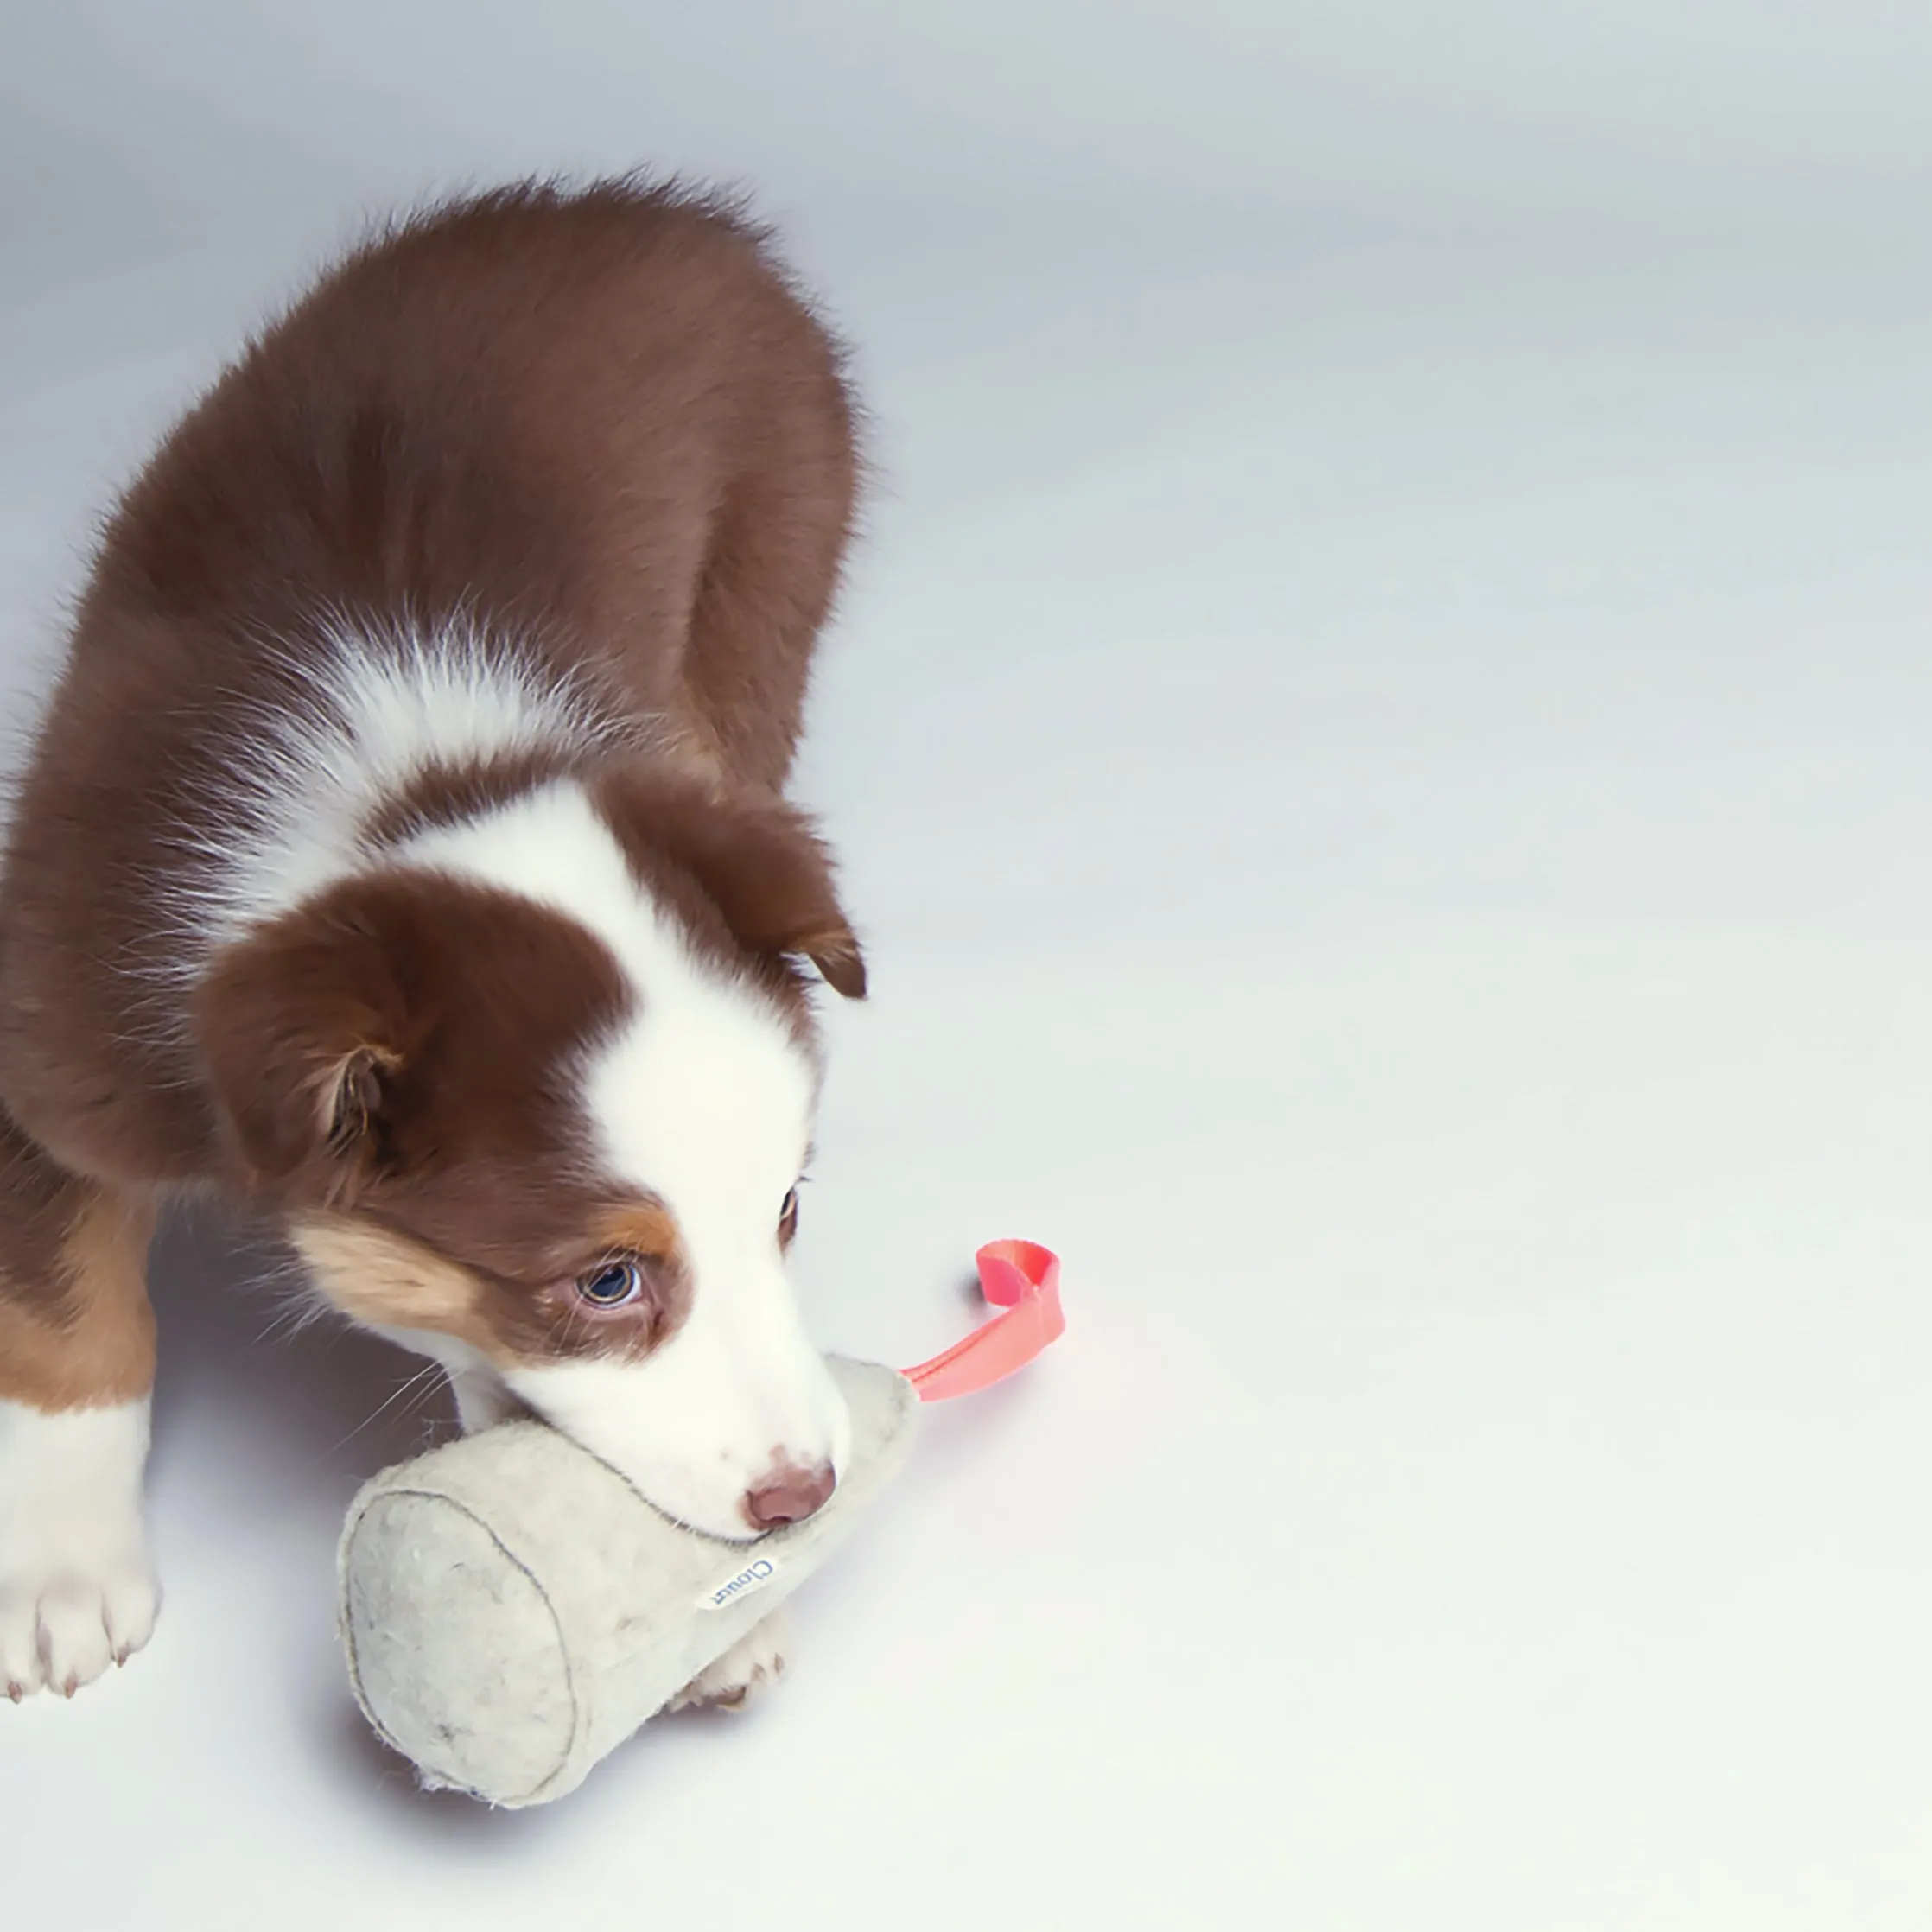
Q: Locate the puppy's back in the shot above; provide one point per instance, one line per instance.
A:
(531, 406)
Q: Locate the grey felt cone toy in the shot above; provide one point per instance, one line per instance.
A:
(512, 1610)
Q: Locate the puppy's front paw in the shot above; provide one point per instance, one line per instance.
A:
(77, 1592)
(749, 1668)
(62, 1624)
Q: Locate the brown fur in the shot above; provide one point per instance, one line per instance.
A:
(340, 1044)
(602, 428)
(389, 1280)
(441, 795)
(648, 1232)
(754, 859)
(75, 1326)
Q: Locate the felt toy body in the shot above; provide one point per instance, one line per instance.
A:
(512, 1610)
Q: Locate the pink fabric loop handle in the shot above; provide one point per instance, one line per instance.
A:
(1023, 1279)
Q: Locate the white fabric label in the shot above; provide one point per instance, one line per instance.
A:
(754, 1576)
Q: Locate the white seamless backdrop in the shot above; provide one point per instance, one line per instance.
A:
(1378, 733)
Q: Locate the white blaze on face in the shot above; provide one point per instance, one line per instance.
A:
(705, 1102)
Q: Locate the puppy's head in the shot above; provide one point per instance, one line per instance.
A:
(538, 1090)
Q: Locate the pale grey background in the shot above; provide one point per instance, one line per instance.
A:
(1378, 732)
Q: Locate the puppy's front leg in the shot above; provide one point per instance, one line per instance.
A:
(77, 1353)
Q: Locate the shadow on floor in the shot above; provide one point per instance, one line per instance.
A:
(245, 1378)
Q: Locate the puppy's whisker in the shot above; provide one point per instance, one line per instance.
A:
(413, 1386)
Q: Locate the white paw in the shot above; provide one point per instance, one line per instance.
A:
(752, 1665)
(77, 1592)
(61, 1626)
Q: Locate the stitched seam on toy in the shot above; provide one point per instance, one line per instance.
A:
(544, 1597)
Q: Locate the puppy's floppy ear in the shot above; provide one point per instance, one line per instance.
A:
(300, 1026)
(757, 858)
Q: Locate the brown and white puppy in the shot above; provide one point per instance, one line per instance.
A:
(404, 854)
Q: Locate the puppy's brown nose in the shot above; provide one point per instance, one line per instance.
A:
(789, 1494)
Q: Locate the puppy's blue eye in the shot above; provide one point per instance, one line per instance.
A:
(612, 1285)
